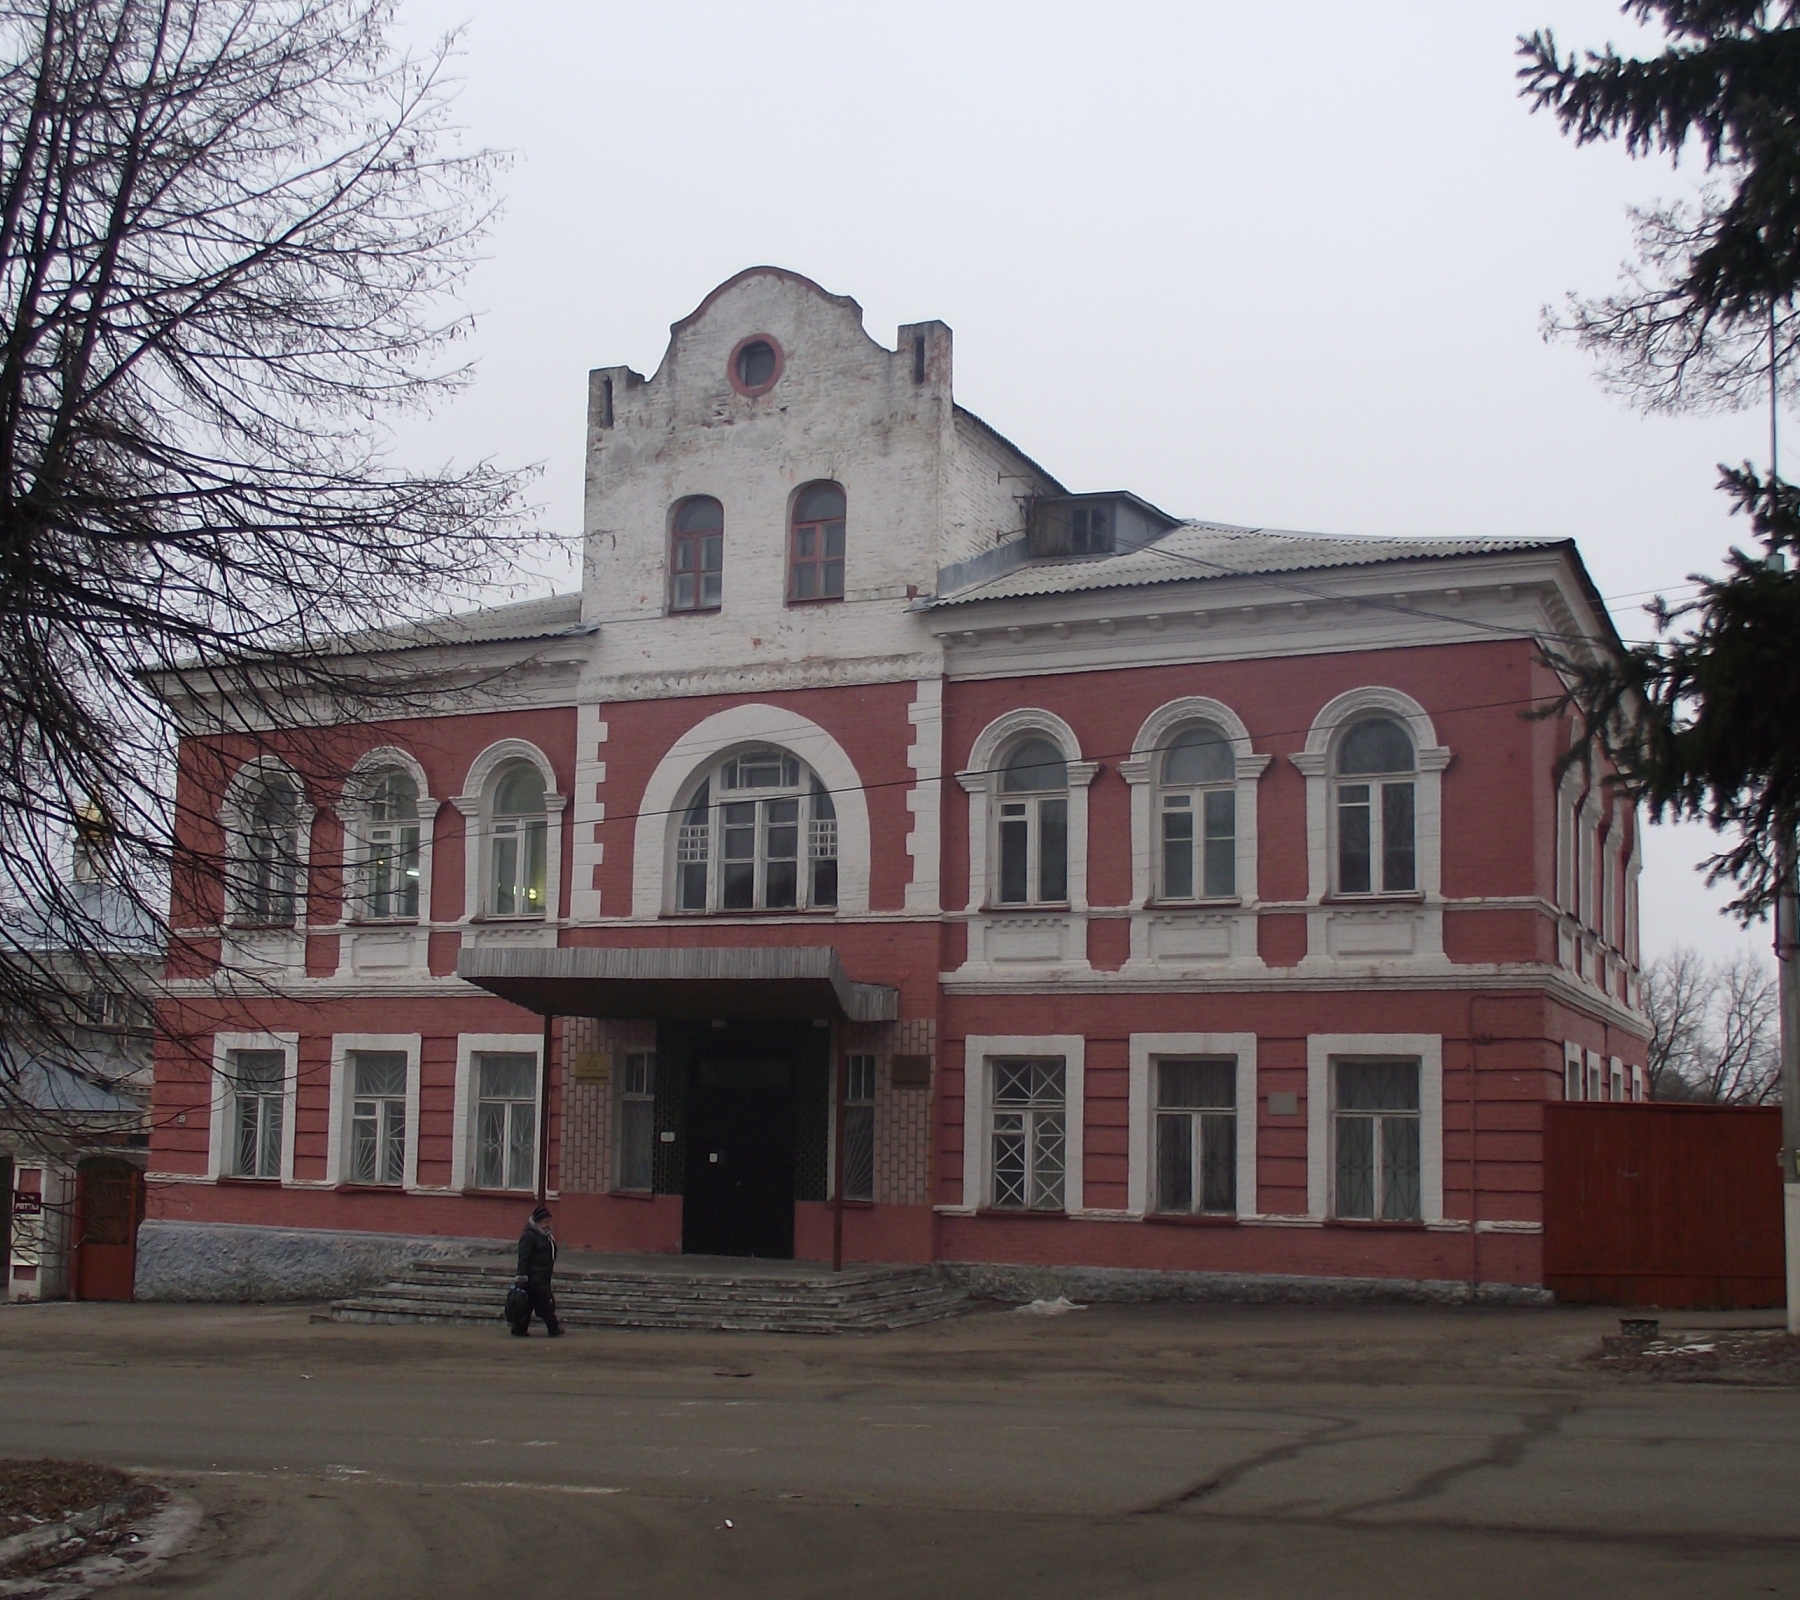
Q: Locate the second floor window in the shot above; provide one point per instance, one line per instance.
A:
(391, 859)
(697, 555)
(268, 887)
(1199, 816)
(760, 834)
(1375, 800)
(816, 548)
(1033, 826)
(517, 861)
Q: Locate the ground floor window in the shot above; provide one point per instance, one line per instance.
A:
(378, 1116)
(859, 1127)
(1030, 1130)
(1376, 1130)
(1196, 1136)
(505, 1121)
(637, 1122)
(258, 1085)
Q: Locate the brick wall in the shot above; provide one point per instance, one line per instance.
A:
(587, 1155)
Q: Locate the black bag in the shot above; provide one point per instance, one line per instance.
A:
(517, 1309)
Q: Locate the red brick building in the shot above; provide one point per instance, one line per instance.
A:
(1095, 889)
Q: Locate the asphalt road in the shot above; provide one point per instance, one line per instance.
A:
(1118, 1451)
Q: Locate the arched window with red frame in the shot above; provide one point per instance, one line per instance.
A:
(697, 555)
(816, 544)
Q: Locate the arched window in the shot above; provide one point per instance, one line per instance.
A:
(759, 834)
(697, 555)
(816, 545)
(1198, 804)
(1033, 838)
(268, 886)
(390, 873)
(1375, 801)
(516, 873)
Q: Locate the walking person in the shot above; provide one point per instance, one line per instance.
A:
(537, 1264)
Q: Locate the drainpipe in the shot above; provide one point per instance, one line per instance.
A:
(841, 1072)
(543, 1172)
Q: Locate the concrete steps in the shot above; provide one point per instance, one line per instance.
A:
(857, 1300)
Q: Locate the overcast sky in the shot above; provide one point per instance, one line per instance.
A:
(1277, 264)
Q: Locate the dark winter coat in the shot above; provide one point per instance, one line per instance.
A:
(537, 1256)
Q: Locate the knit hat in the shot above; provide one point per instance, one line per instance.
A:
(542, 1214)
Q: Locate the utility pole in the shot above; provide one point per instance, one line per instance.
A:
(1787, 945)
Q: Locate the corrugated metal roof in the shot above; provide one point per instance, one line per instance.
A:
(542, 618)
(1199, 550)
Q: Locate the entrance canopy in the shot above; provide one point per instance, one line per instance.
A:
(761, 982)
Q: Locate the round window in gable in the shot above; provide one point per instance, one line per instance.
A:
(755, 365)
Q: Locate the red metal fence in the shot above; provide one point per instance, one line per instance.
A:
(1662, 1204)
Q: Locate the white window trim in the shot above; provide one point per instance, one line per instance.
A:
(981, 782)
(223, 1097)
(462, 1146)
(1612, 921)
(1316, 760)
(1140, 771)
(1637, 1085)
(1615, 1085)
(718, 798)
(475, 804)
(1568, 804)
(1146, 1049)
(353, 812)
(233, 820)
(704, 745)
(1573, 1071)
(980, 1050)
(1428, 1050)
(337, 1139)
(1594, 1084)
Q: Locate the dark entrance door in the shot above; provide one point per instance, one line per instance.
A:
(109, 1201)
(738, 1198)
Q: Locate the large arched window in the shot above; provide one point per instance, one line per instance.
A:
(816, 544)
(759, 834)
(697, 555)
(269, 858)
(1032, 844)
(1375, 803)
(517, 842)
(390, 846)
(1197, 801)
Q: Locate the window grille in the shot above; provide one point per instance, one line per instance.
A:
(761, 849)
(506, 1121)
(378, 1117)
(1377, 1117)
(258, 1083)
(859, 1128)
(1196, 1136)
(637, 1122)
(1029, 1133)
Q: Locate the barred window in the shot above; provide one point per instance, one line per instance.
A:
(1030, 1129)
(506, 1121)
(1377, 1135)
(1196, 1136)
(637, 1122)
(258, 1084)
(859, 1127)
(377, 1116)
